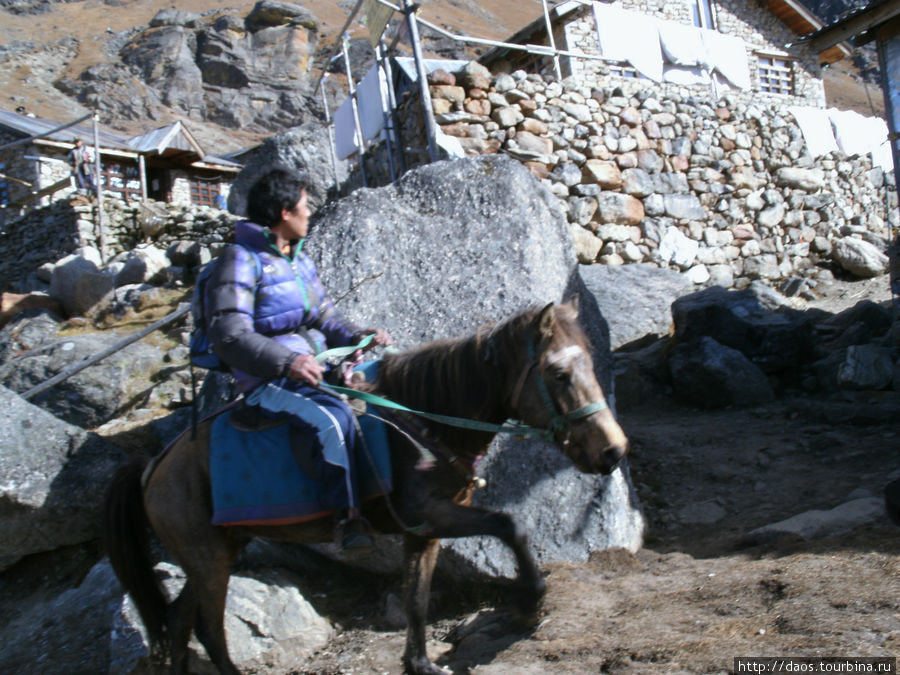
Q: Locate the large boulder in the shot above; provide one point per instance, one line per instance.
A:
(271, 627)
(53, 476)
(306, 148)
(635, 300)
(755, 321)
(710, 375)
(94, 395)
(78, 284)
(453, 246)
(859, 257)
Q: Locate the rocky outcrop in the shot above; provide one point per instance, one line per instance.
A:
(249, 73)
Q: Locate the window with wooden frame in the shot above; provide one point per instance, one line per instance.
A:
(204, 191)
(776, 74)
(122, 178)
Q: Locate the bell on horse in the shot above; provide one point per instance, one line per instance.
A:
(536, 367)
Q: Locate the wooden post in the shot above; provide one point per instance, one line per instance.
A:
(142, 171)
(99, 188)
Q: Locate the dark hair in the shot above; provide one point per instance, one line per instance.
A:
(277, 189)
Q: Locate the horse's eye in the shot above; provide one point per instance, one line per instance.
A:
(561, 376)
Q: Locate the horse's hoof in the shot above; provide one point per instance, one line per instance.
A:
(425, 667)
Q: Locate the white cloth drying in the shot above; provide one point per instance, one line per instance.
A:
(631, 37)
(816, 129)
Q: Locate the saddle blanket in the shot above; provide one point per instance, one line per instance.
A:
(256, 481)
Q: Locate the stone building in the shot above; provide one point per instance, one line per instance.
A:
(725, 46)
(166, 164)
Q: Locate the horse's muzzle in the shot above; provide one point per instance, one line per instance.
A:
(610, 459)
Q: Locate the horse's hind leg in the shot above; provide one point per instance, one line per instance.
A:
(208, 580)
(182, 615)
(421, 556)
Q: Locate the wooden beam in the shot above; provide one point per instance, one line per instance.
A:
(845, 30)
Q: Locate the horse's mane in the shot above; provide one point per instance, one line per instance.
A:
(460, 376)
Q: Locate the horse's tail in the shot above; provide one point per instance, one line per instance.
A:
(127, 542)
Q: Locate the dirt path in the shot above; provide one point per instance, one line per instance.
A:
(701, 592)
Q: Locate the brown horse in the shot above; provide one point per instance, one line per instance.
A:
(536, 367)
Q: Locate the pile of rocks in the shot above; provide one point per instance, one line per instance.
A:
(724, 191)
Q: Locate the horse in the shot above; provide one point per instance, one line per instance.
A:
(535, 367)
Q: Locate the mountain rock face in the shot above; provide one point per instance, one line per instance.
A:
(249, 72)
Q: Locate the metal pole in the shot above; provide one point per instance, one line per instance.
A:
(379, 61)
(392, 102)
(430, 125)
(552, 41)
(99, 188)
(23, 141)
(355, 107)
(330, 136)
(336, 49)
(112, 349)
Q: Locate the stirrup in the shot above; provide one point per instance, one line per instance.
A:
(353, 536)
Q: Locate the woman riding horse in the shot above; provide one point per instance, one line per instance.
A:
(269, 316)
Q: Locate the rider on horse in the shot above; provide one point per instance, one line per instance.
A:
(269, 316)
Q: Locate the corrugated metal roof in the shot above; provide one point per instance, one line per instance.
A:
(170, 137)
(34, 126)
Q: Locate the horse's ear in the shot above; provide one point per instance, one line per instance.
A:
(546, 321)
(574, 303)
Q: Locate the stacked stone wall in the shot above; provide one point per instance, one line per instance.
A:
(724, 190)
(45, 235)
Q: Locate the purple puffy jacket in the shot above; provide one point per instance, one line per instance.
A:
(258, 326)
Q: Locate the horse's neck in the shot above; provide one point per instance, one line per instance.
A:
(457, 379)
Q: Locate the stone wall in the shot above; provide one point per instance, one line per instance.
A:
(723, 190)
(48, 234)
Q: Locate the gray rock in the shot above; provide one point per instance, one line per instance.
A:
(504, 247)
(803, 179)
(270, 625)
(635, 299)
(774, 338)
(53, 476)
(270, 13)
(816, 524)
(866, 366)
(143, 264)
(859, 257)
(684, 207)
(92, 396)
(711, 375)
(73, 628)
(78, 285)
(305, 148)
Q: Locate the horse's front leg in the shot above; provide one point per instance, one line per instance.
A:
(449, 520)
(420, 557)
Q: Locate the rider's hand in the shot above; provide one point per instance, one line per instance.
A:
(305, 367)
(380, 337)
